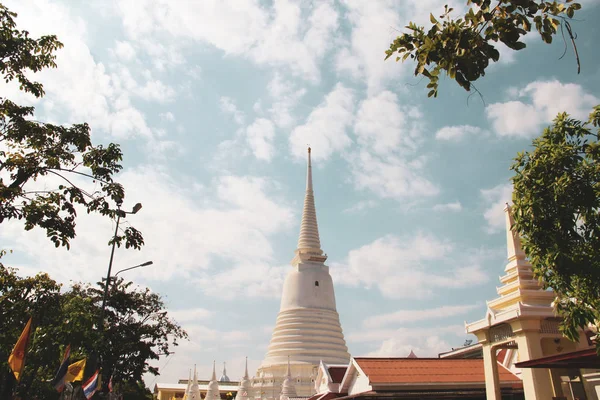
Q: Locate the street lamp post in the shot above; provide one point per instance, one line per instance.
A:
(120, 213)
(147, 263)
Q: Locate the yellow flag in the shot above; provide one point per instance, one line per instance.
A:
(75, 371)
(16, 360)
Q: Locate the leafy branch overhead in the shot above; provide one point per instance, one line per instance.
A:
(463, 47)
(43, 166)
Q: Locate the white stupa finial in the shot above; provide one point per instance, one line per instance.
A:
(194, 388)
(287, 388)
(513, 240)
(212, 392)
(309, 243)
(244, 391)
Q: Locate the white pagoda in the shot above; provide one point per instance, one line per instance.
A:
(308, 328)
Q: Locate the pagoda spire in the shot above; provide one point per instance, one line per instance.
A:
(194, 388)
(309, 243)
(513, 240)
(287, 388)
(213, 392)
(245, 388)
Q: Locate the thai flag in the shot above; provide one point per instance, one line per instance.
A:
(90, 387)
(59, 379)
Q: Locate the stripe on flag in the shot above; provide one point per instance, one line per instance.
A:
(91, 386)
(59, 379)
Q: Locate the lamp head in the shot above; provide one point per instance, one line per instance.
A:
(146, 264)
(136, 208)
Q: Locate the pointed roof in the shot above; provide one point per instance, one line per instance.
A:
(193, 392)
(244, 390)
(224, 377)
(513, 240)
(521, 293)
(412, 355)
(213, 386)
(309, 243)
(287, 388)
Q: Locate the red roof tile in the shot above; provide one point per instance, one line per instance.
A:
(326, 396)
(501, 355)
(429, 370)
(337, 373)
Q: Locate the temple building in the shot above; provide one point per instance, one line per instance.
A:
(307, 330)
(521, 326)
(520, 351)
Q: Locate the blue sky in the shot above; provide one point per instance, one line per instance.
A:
(214, 103)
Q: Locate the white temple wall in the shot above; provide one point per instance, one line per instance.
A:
(359, 384)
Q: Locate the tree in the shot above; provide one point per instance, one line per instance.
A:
(463, 47)
(20, 298)
(32, 152)
(137, 329)
(556, 210)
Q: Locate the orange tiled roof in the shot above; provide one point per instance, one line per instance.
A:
(326, 396)
(337, 373)
(429, 370)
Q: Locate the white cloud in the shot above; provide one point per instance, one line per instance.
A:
(284, 35)
(541, 102)
(124, 50)
(388, 136)
(325, 127)
(228, 107)
(81, 89)
(381, 125)
(453, 207)
(242, 281)
(360, 206)
(190, 314)
(408, 266)
(157, 91)
(167, 116)
(223, 225)
(405, 316)
(400, 342)
(553, 97)
(423, 345)
(373, 24)
(456, 133)
(260, 137)
(514, 118)
(390, 177)
(285, 97)
(496, 199)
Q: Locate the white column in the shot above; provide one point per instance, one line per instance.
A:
(537, 384)
(490, 367)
